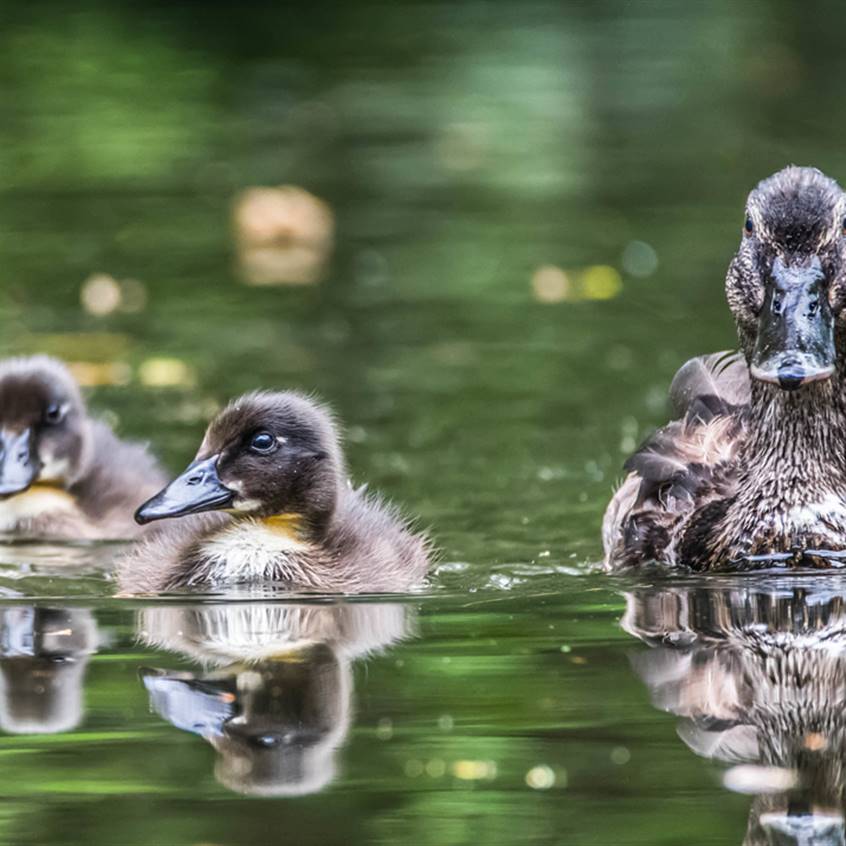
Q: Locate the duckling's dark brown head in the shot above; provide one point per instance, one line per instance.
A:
(265, 454)
(44, 433)
(786, 285)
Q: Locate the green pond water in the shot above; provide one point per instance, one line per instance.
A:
(534, 206)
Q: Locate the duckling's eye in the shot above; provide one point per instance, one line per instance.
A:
(749, 227)
(263, 443)
(54, 413)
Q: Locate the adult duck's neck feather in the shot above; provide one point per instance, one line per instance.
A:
(801, 432)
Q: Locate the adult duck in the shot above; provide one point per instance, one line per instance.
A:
(753, 473)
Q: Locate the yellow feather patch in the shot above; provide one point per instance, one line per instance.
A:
(285, 524)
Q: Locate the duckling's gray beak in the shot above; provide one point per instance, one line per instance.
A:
(198, 489)
(795, 342)
(19, 466)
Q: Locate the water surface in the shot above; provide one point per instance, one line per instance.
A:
(534, 207)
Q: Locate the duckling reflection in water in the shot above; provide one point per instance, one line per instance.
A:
(759, 676)
(63, 475)
(753, 473)
(273, 461)
(43, 656)
(274, 699)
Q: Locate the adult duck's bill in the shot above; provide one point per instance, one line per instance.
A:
(198, 489)
(795, 342)
(19, 466)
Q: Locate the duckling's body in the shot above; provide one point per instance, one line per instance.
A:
(753, 473)
(64, 475)
(294, 519)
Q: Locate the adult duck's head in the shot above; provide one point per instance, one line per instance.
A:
(267, 456)
(786, 285)
(44, 432)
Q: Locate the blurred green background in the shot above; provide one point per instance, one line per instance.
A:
(511, 226)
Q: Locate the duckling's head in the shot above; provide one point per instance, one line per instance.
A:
(786, 285)
(265, 455)
(44, 432)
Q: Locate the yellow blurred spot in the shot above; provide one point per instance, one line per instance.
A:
(284, 235)
(100, 294)
(166, 373)
(474, 770)
(550, 284)
(80, 346)
(601, 282)
(540, 777)
(92, 374)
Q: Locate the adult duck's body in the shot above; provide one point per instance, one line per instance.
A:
(273, 462)
(754, 472)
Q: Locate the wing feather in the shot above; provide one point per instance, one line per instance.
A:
(710, 385)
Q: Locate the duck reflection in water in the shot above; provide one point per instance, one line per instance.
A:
(43, 656)
(274, 693)
(758, 674)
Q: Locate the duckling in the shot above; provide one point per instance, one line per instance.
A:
(753, 473)
(273, 461)
(274, 695)
(64, 475)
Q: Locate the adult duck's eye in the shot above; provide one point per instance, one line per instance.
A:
(749, 227)
(54, 413)
(844, 225)
(263, 442)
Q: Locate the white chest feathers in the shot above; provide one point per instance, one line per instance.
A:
(38, 503)
(825, 517)
(253, 550)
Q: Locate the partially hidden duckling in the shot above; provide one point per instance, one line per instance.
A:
(273, 461)
(64, 475)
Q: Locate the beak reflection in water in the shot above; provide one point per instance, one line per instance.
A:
(274, 697)
(757, 674)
